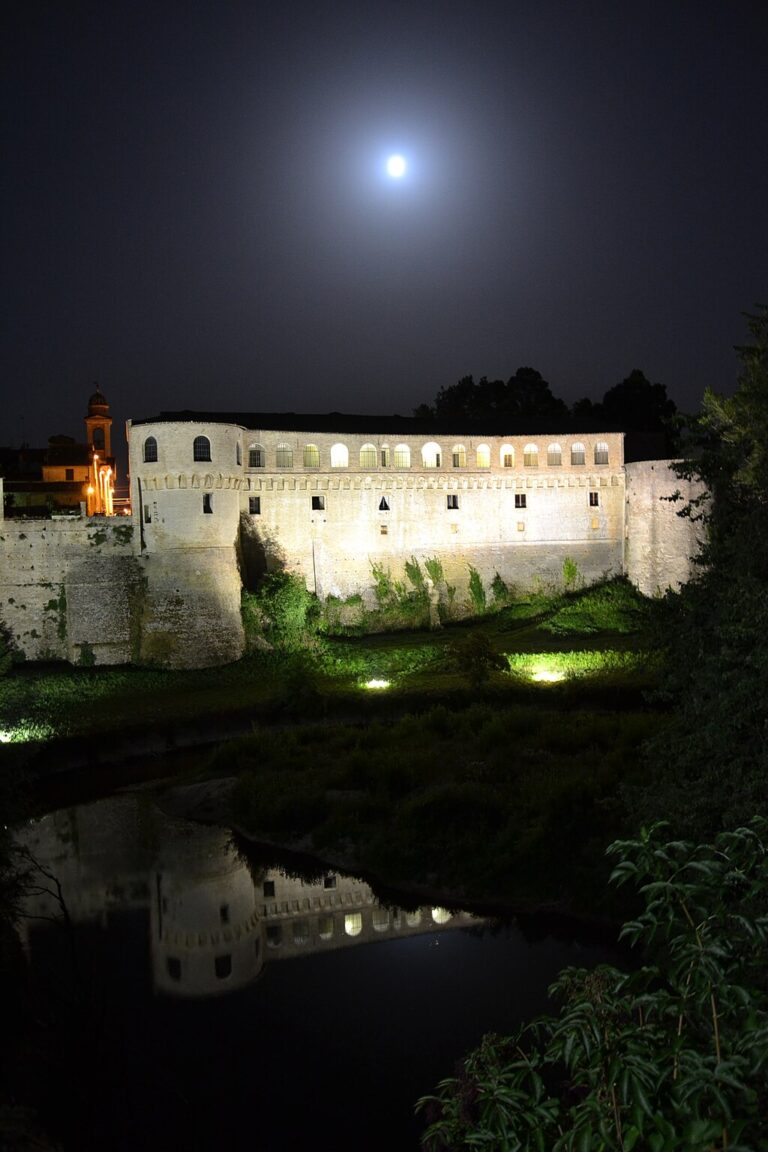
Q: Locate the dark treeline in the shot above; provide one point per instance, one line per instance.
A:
(526, 400)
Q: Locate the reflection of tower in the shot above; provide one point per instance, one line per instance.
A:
(205, 932)
(98, 430)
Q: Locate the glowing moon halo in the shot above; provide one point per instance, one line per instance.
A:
(396, 167)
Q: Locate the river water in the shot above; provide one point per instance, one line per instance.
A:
(191, 998)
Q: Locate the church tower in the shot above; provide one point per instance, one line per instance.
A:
(98, 425)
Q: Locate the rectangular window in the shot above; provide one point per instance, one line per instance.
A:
(207, 502)
(521, 500)
(508, 460)
(452, 501)
(385, 457)
(254, 505)
(147, 514)
(255, 458)
(329, 882)
(268, 889)
(69, 473)
(594, 499)
(383, 529)
(318, 503)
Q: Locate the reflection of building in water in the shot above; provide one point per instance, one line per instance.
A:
(205, 928)
(211, 925)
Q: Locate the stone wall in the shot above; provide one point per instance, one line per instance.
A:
(68, 589)
(660, 542)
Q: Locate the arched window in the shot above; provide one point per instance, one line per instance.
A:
(431, 455)
(201, 448)
(441, 915)
(150, 450)
(507, 456)
(311, 456)
(402, 456)
(257, 457)
(531, 456)
(238, 453)
(578, 453)
(284, 456)
(353, 923)
(459, 456)
(339, 456)
(601, 452)
(368, 457)
(554, 456)
(413, 919)
(483, 456)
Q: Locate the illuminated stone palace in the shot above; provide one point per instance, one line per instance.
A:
(329, 498)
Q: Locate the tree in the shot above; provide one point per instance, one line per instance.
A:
(526, 398)
(672, 1057)
(707, 769)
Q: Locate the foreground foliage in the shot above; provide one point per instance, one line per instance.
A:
(708, 768)
(670, 1057)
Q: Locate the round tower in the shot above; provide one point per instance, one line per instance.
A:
(185, 495)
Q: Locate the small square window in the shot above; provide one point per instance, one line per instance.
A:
(222, 966)
(254, 505)
(318, 503)
(452, 501)
(521, 526)
(69, 474)
(268, 888)
(208, 503)
(454, 527)
(521, 500)
(329, 881)
(594, 499)
(173, 967)
(383, 529)
(595, 523)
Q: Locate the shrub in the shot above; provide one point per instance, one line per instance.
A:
(477, 597)
(671, 1057)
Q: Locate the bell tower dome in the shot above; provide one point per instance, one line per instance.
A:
(98, 425)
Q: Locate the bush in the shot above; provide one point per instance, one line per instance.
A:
(672, 1057)
(477, 597)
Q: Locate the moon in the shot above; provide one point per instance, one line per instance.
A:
(396, 167)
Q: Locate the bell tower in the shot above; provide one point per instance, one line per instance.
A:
(98, 425)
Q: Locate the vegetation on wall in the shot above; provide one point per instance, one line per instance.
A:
(670, 1057)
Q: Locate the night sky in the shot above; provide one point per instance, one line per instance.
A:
(196, 211)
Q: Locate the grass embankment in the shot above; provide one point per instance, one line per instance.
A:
(491, 764)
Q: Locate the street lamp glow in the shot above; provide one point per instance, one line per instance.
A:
(396, 167)
(374, 684)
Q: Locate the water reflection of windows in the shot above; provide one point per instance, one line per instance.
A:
(353, 923)
(325, 927)
(274, 935)
(223, 966)
(300, 932)
(413, 919)
(380, 919)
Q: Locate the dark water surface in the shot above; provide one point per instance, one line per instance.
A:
(198, 999)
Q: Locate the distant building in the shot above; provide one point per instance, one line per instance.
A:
(66, 477)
